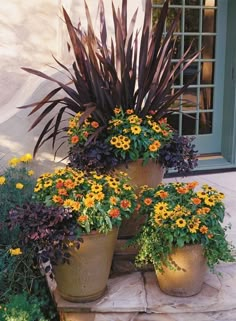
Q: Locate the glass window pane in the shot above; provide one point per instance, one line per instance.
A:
(207, 73)
(206, 98)
(190, 99)
(173, 120)
(188, 40)
(157, 1)
(193, 2)
(190, 72)
(208, 20)
(177, 52)
(171, 16)
(177, 80)
(176, 2)
(189, 124)
(205, 123)
(208, 44)
(210, 3)
(192, 18)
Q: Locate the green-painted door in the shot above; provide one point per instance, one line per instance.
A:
(204, 23)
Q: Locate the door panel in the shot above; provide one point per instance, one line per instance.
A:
(200, 110)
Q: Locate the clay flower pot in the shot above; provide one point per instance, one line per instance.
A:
(85, 278)
(189, 270)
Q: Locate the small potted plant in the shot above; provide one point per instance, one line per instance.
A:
(74, 219)
(182, 235)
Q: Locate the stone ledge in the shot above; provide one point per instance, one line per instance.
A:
(138, 292)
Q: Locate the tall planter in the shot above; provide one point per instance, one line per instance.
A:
(85, 278)
(187, 277)
(151, 175)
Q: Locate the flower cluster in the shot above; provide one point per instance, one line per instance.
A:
(178, 214)
(78, 131)
(98, 202)
(134, 137)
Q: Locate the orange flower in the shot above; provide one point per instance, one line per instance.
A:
(59, 183)
(204, 229)
(210, 236)
(196, 200)
(62, 191)
(163, 194)
(114, 212)
(74, 139)
(148, 201)
(113, 200)
(162, 121)
(182, 190)
(89, 202)
(192, 185)
(125, 203)
(57, 199)
(82, 218)
(69, 183)
(85, 134)
(94, 124)
(129, 111)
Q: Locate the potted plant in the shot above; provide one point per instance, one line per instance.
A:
(134, 73)
(183, 234)
(74, 219)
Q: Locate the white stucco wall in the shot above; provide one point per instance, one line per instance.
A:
(30, 32)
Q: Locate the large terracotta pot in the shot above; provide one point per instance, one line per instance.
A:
(85, 278)
(151, 175)
(187, 279)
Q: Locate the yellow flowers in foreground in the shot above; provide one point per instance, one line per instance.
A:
(16, 251)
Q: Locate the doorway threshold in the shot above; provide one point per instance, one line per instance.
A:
(207, 164)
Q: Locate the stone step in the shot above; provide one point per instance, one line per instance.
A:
(137, 297)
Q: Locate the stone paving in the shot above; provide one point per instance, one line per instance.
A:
(136, 296)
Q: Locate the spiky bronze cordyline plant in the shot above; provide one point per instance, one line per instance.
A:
(131, 72)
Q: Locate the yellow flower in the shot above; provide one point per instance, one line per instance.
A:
(127, 187)
(113, 200)
(37, 188)
(202, 194)
(96, 188)
(160, 207)
(181, 222)
(16, 251)
(2, 180)
(136, 130)
(30, 172)
(192, 228)
(72, 123)
(19, 185)
(89, 202)
(209, 201)
(48, 183)
(114, 140)
(26, 158)
(14, 161)
(100, 196)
